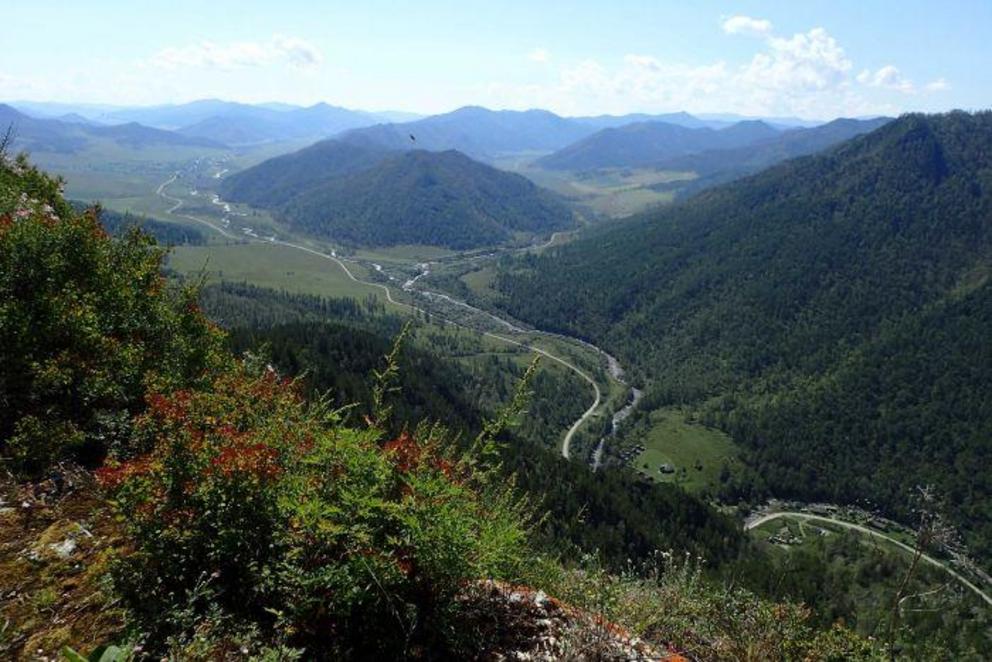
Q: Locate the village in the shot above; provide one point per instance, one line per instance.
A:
(789, 536)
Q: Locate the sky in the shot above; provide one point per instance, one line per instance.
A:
(812, 59)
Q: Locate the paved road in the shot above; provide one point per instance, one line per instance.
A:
(878, 534)
(566, 442)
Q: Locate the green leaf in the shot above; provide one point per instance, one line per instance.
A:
(107, 654)
(72, 655)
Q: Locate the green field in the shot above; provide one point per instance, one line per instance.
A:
(274, 266)
(613, 192)
(480, 281)
(104, 170)
(403, 253)
(696, 452)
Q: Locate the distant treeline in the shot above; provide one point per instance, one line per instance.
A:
(169, 234)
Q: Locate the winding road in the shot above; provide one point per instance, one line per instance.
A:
(614, 368)
(878, 534)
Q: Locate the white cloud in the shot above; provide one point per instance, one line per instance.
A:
(209, 55)
(807, 74)
(754, 27)
(539, 55)
(810, 61)
(888, 77)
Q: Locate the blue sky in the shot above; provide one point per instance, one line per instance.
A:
(814, 59)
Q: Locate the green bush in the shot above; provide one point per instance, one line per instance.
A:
(252, 501)
(668, 602)
(87, 324)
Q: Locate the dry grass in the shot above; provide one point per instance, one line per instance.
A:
(56, 539)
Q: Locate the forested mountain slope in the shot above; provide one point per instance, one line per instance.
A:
(717, 166)
(357, 195)
(277, 180)
(830, 312)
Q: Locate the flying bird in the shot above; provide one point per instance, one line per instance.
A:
(413, 138)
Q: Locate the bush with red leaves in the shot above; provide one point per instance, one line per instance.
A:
(247, 498)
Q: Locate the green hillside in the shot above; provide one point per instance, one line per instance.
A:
(831, 313)
(717, 166)
(357, 196)
(278, 180)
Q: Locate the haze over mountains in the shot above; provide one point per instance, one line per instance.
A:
(476, 131)
(231, 123)
(486, 134)
(647, 143)
(53, 135)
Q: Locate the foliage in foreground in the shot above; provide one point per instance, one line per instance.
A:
(252, 501)
(86, 326)
(667, 601)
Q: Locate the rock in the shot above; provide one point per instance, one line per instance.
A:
(64, 549)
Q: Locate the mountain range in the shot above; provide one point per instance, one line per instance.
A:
(646, 143)
(228, 122)
(287, 184)
(478, 132)
(487, 134)
(714, 155)
(67, 137)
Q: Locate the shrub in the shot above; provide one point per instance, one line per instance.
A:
(248, 499)
(86, 325)
(670, 603)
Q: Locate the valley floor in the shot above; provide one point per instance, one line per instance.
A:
(294, 266)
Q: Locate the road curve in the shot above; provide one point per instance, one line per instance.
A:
(566, 442)
(864, 529)
(177, 203)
